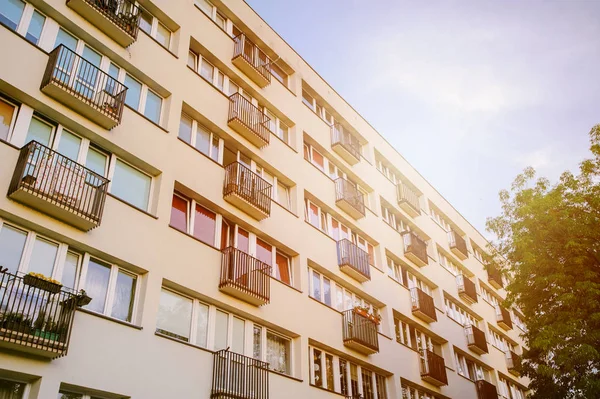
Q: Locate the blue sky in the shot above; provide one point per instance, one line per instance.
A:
(469, 92)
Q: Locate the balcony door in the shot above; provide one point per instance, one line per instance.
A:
(88, 69)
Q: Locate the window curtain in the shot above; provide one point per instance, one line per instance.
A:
(277, 353)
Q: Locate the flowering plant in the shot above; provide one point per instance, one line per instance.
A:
(43, 277)
(366, 311)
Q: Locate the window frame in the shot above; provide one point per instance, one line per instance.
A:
(154, 28)
(212, 137)
(16, 106)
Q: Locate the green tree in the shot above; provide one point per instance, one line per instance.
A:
(549, 237)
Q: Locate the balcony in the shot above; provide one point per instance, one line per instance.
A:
(433, 369)
(359, 332)
(345, 144)
(82, 86)
(57, 186)
(494, 276)
(513, 363)
(36, 316)
(422, 305)
(486, 390)
(247, 191)
(466, 289)
(349, 199)
(239, 377)
(353, 261)
(249, 121)
(245, 277)
(458, 245)
(408, 200)
(119, 19)
(251, 60)
(503, 318)
(415, 249)
(476, 340)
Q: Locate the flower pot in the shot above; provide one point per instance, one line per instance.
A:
(52, 336)
(83, 300)
(42, 284)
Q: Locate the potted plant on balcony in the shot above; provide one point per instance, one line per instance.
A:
(83, 298)
(42, 282)
(16, 321)
(43, 327)
(366, 313)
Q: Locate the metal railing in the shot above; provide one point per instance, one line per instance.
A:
(466, 287)
(237, 376)
(245, 48)
(85, 81)
(408, 195)
(250, 116)
(347, 191)
(457, 242)
(123, 13)
(360, 329)
(349, 254)
(503, 316)
(422, 302)
(494, 275)
(486, 390)
(245, 273)
(341, 136)
(433, 366)
(36, 313)
(414, 245)
(476, 337)
(241, 181)
(61, 181)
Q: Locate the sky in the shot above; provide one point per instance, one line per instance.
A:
(469, 92)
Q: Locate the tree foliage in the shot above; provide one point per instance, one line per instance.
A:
(549, 236)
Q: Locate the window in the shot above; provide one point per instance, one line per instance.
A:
(7, 113)
(283, 268)
(34, 32)
(414, 392)
(207, 70)
(12, 389)
(324, 290)
(439, 219)
(278, 353)
(179, 213)
(134, 91)
(150, 25)
(153, 107)
(194, 219)
(396, 271)
(163, 35)
(141, 99)
(111, 288)
(12, 244)
(279, 74)
(469, 369)
(40, 131)
(308, 100)
(131, 185)
(206, 7)
(11, 12)
(448, 264)
(199, 137)
(459, 314)
(174, 315)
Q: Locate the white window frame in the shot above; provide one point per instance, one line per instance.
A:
(192, 142)
(154, 28)
(13, 118)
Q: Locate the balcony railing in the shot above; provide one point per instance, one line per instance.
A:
(247, 190)
(513, 363)
(345, 144)
(248, 120)
(353, 260)
(359, 332)
(415, 249)
(58, 186)
(119, 19)
(245, 277)
(81, 85)
(466, 288)
(503, 318)
(349, 199)
(251, 60)
(494, 276)
(408, 199)
(433, 368)
(486, 390)
(36, 316)
(422, 305)
(239, 377)
(458, 245)
(476, 340)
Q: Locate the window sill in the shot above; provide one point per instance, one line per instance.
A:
(397, 282)
(286, 375)
(125, 323)
(194, 238)
(132, 206)
(146, 118)
(466, 378)
(199, 152)
(10, 144)
(284, 208)
(283, 141)
(324, 304)
(160, 44)
(286, 284)
(182, 342)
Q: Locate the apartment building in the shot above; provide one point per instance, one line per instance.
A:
(191, 211)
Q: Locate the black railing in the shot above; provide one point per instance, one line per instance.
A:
(239, 377)
(455, 241)
(61, 181)
(250, 52)
(36, 313)
(123, 13)
(85, 81)
(415, 246)
(250, 116)
(476, 339)
(360, 329)
(341, 136)
(466, 288)
(245, 273)
(249, 186)
(433, 368)
(349, 254)
(422, 303)
(409, 196)
(486, 390)
(345, 190)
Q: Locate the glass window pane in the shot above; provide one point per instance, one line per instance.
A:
(69, 395)
(326, 291)
(39, 131)
(214, 152)
(282, 271)
(202, 139)
(96, 285)
(185, 129)
(174, 315)
(221, 330)
(221, 21)
(204, 225)
(202, 325)
(278, 353)
(283, 195)
(43, 257)
(6, 116)
(153, 107)
(145, 21)
(179, 213)
(96, 161)
(134, 90)
(205, 6)
(192, 58)
(124, 295)
(329, 371)
(163, 35)
(70, 270)
(237, 335)
(35, 27)
(317, 372)
(206, 71)
(316, 286)
(233, 88)
(12, 242)
(131, 185)
(264, 251)
(66, 39)
(11, 12)
(69, 145)
(257, 342)
(11, 389)
(220, 80)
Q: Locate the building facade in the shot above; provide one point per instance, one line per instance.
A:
(192, 212)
